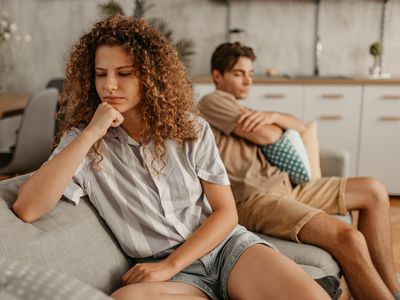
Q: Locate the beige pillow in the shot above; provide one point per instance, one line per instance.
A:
(310, 140)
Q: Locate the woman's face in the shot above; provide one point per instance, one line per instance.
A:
(115, 79)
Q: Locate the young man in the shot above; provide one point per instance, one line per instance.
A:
(268, 203)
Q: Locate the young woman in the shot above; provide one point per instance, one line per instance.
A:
(133, 143)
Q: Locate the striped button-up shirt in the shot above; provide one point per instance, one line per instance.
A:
(147, 212)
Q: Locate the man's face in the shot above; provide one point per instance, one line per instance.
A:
(237, 81)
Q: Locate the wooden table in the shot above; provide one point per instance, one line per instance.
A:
(12, 103)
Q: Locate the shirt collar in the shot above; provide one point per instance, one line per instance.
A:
(120, 133)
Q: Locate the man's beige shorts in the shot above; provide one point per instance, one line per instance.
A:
(283, 215)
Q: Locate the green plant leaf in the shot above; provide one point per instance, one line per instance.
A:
(161, 26)
(185, 49)
(141, 8)
(111, 8)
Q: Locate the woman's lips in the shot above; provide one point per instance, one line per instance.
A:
(113, 99)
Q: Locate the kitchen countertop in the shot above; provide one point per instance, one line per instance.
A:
(312, 80)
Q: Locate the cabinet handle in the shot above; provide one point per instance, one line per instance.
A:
(274, 96)
(332, 96)
(391, 97)
(389, 118)
(331, 117)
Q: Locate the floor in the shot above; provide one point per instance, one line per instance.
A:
(395, 220)
(395, 223)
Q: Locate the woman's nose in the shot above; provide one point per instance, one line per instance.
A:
(111, 83)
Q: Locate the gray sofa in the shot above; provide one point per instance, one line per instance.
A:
(71, 254)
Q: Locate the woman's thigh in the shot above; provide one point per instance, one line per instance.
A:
(263, 273)
(159, 290)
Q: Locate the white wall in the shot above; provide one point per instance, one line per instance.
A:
(280, 31)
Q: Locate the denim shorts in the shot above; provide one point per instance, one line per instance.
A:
(210, 273)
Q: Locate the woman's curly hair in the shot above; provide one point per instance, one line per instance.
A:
(166, 104)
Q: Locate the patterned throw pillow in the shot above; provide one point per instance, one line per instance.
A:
(290, 156)
(23, 281)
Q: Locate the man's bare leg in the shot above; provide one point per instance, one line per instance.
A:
(365, 256)
(350, 249)
(371, 199)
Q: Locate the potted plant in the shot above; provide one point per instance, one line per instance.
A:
(376, 50)
(184, 47)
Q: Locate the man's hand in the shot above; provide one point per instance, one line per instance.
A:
(149, 272)
(252, 120)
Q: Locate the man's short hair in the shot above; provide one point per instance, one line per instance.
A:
(226, 55)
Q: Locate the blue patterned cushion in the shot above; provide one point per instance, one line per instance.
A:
(290, 155)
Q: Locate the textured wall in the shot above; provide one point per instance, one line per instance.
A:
(281, 32)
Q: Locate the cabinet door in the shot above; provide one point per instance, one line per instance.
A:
(202, 89)
(380, 136)
(337, 111)
(280, 97)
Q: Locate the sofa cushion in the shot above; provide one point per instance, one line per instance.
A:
(70, 239)
(19, 280)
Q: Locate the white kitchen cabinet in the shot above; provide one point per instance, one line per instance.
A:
(280, 97)
(266, 97)
(380, 136)
(336, 108)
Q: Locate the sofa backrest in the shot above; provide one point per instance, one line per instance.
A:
(71, 239)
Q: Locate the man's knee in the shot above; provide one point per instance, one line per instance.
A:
(369, 193)
(347, 235)
(377, 192)
(333, 235)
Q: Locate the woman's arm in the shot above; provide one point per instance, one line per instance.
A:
(212, 232)
(43, 189)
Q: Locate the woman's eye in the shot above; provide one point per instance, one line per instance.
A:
(100, 74)
(125, 73)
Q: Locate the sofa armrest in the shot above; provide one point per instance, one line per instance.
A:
(334, 163)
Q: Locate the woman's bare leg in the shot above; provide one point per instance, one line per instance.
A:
(263, 273)
(159, 291)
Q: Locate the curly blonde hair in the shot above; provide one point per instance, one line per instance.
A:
(166, 104)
